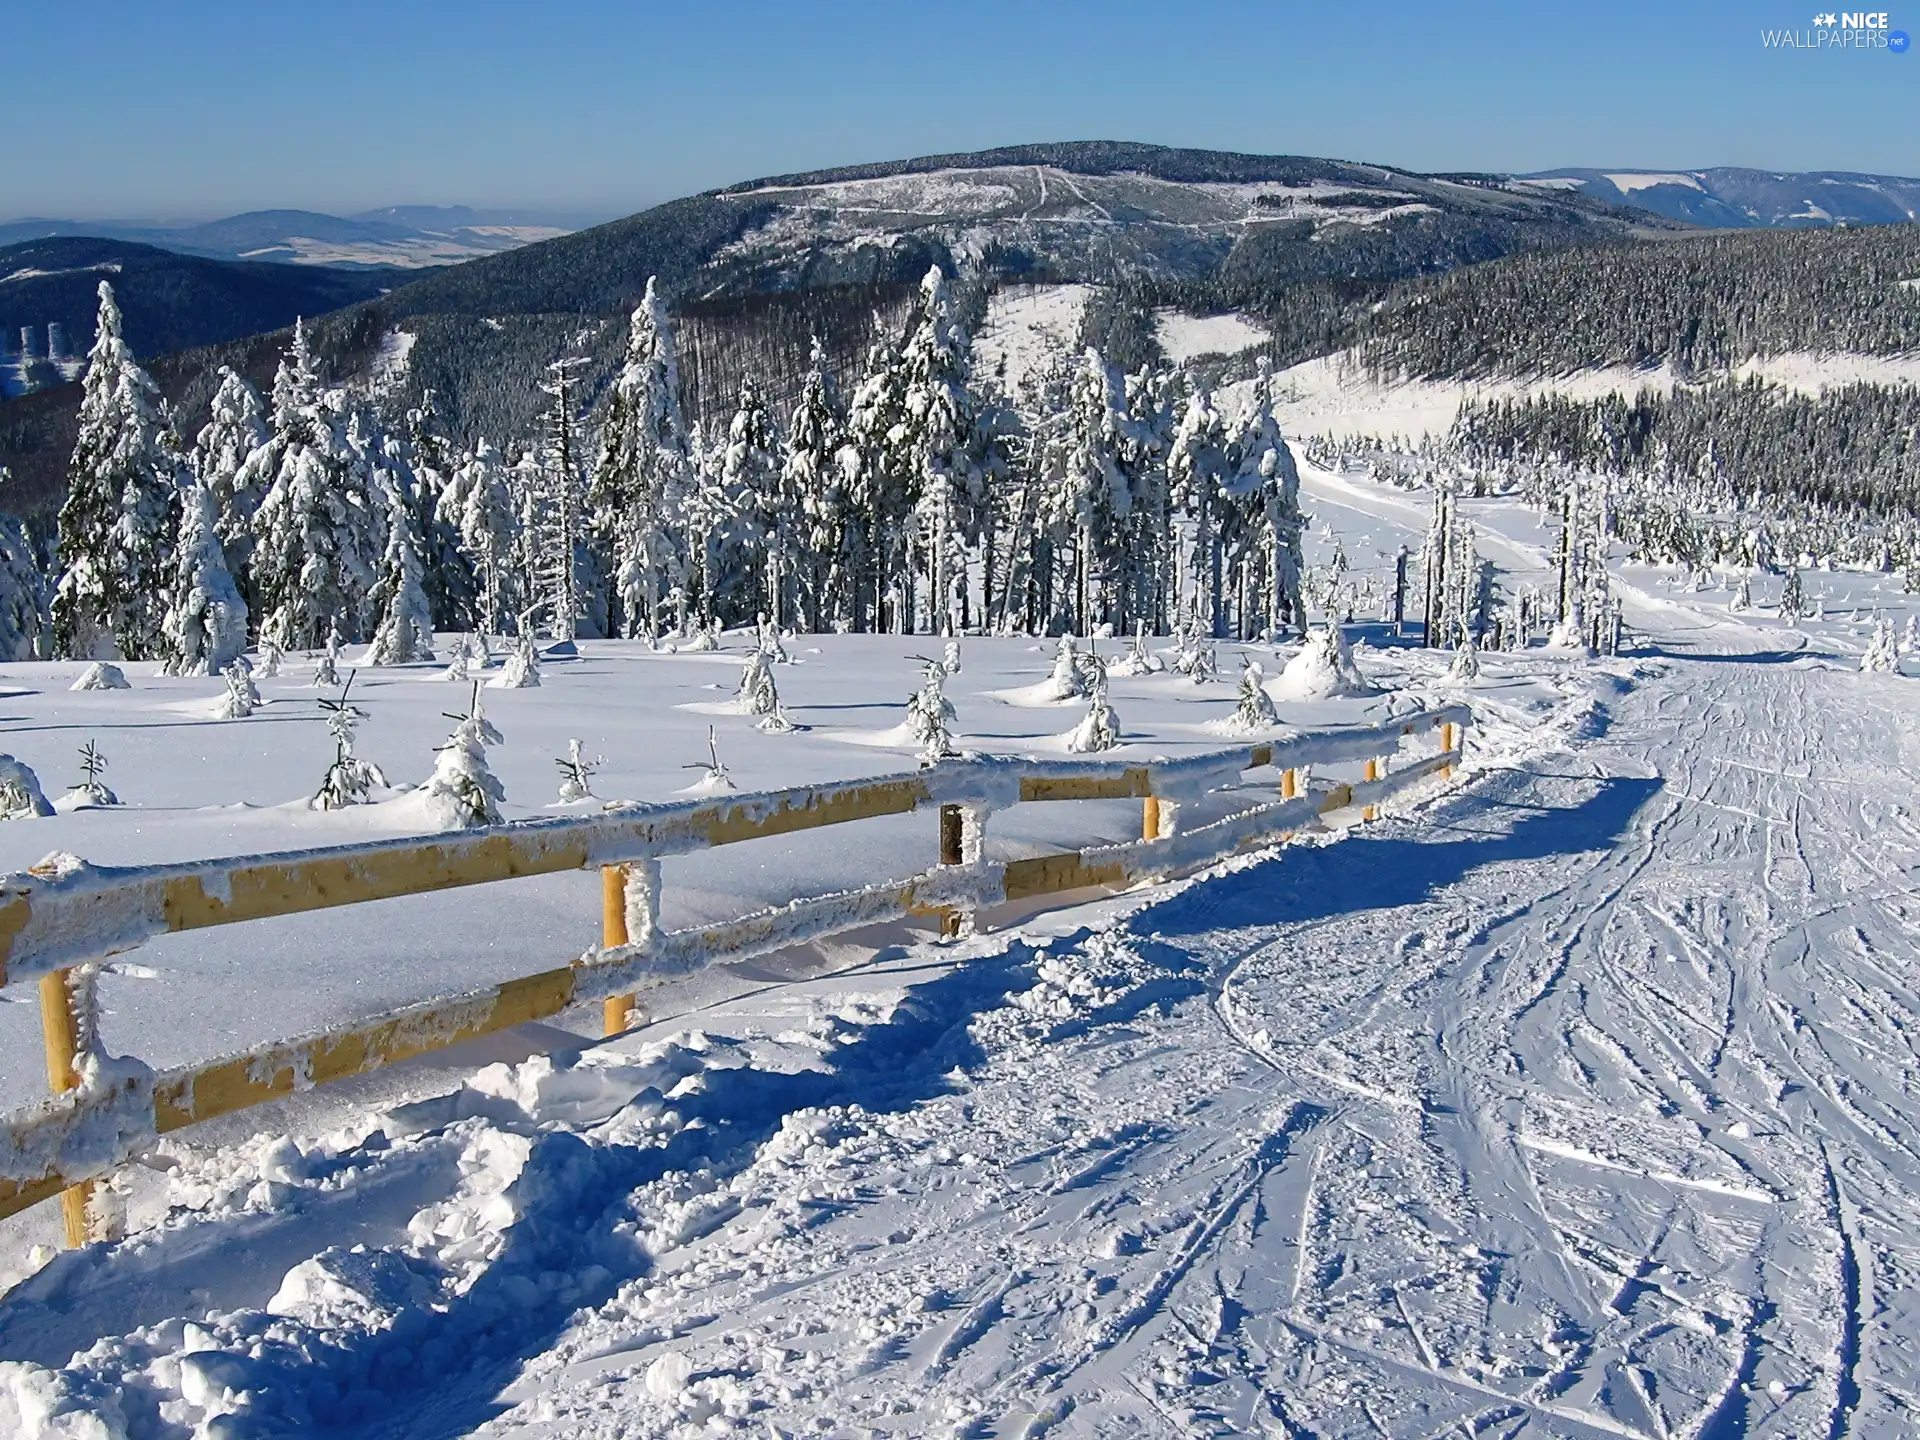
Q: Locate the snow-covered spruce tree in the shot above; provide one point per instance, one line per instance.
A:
(1090, 498)
(349, 779)
(479, 504)
(101, 675)
(462, 792)
(235, 429)
(1323, 668)
(326, 669)
(271, 654)
(1255, 708)
(576, 774)
(1197, 469)
(1139, 660)
(450, 576)
(557, 517)
(317, 533)
(1067, 680)
(405, 633)
(522, 670)
(24, 628)
(1793, 598)
(880, 496)
(641, 472)
(1466, 660)
(242, 696)
(21, 797)
(757, 694)
(1100, 729)
(950, 657)
(1883, 651)
(751, 552)
(930, 715)
(940, 447)
(117, 523)
(1264, 478)
(206, 623)
(813, 474)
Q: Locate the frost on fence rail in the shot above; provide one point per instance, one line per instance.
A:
(70, 912)
(74, 912)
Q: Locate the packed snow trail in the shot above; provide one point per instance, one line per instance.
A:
(1578, 1103)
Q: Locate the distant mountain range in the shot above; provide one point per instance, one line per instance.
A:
(1724, 198)
(408, 237)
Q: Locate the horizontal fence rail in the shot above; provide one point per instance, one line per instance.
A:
(61, 917)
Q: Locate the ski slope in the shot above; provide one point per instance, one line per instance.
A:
(1577, 1102)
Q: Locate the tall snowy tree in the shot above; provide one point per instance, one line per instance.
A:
(317, 533)
(642, 471)
(24, 628)
(814, 476)
(1091, 497)
(939, 447)
(479, 504)
(405, 631)
(1265, 481)
(235, 429)
(876, 419)
(751, 477)
(557, 516)
(117, 524)
(451, 581)
(1197, 465)
(206, 623)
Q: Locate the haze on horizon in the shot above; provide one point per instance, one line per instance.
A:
(606, 109)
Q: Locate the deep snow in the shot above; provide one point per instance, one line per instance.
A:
(1577, 1102)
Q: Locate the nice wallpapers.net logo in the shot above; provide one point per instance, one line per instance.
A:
(1846, 30)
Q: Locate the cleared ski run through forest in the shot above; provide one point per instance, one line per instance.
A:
(1579, 1101)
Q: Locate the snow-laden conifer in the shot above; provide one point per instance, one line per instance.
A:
(938, 443)
(1883, 651)
(25, 632)
(21, 797)
(1323, 668)
(1100, 728)
(641, 472)
(242, 696)
(814, 475)
(522, 670)
(1254, 710)
(576, 774)
(236, 427)
(117, 523)
(326, 670)
(1067, 680)
(349, 779)
(478, 502)
(757, 694)
(206, 623)
(462, 793)
(930, 714)
(406, 622)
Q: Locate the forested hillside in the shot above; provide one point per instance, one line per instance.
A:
(1700, 304)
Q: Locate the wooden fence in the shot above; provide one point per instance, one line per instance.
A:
(58, 920)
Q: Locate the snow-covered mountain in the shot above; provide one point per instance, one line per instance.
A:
(1726, 198)
(407, 237)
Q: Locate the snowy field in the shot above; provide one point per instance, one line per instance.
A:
(1576, 1102)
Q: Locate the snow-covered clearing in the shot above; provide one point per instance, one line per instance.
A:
(1184, 337)
(1578, 1102)
(1026, 326)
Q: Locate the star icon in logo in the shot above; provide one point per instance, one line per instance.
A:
(1827, 19)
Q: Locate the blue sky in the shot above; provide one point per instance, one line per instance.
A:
(205, 107)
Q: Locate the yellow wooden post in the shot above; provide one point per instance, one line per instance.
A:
(1150, 818)
(953, 846)
(1289, 784)
(1446, 744)
(62, 1032)
(1373, 773)
(618, 1009)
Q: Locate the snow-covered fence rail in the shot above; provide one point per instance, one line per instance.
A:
(59, 918)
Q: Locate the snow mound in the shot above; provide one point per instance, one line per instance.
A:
(1322, 670)
(101, 676)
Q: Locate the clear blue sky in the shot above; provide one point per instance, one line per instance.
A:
(205, 107)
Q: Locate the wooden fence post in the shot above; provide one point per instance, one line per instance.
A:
(1290, 784)
(1150, 818)
(61, 1029)
(1446, 744)
(953, 851)
(617, 1011)
(1373, 773)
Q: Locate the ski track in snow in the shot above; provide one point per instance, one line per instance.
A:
(1578, 1102)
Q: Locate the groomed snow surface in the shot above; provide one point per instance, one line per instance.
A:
(1576, 1101)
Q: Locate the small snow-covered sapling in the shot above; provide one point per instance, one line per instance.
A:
(576, 774)
(522, 670)
(462, 792)
(326, 668)
(1065, 682)
(758, 695)
(21, 797)
(950, 657)
(102, 675)
(270, 657)
(929, 712)
(349, 779)
(1255, 710)
(242, 694)
(93, 765)
(716, 777)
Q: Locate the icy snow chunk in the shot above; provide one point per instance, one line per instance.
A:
(667, 1376)
(358, 1288)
